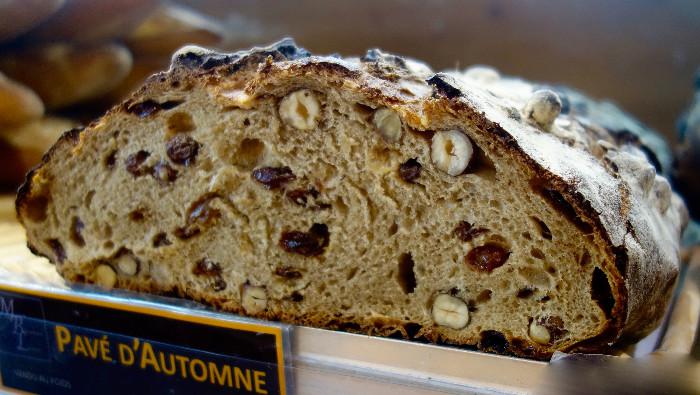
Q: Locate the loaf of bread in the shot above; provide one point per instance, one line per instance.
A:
(370, 195)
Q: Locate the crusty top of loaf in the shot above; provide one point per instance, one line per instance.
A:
(603, 174)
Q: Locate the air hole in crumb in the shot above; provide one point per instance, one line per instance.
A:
(108, 245)
(110, 160)
(585, 259)
(296, 296)
(246, 122)
(535, 277)
(248, 153)
(493, 341)
(58, 251)
(484, 296)
(537, 253)
(498, 240)
(557, 201)
(341, 207)
(161, 239)
(481, 165)
(179, 122)
(137, 215)
(526, 236)
(412, 329)
(550, 269)
(525, 293)
(393, 229)
(378, 156)
(601, 292)
(542, 228)
(36, 207)
(363, 110)
(351, 273)
(406, 92)
(406, 277)
(76, 232)
(88, 198)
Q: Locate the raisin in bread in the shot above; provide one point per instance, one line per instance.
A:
(369, 195)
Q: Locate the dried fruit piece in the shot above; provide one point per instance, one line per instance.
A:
(206, 267)
(300, 109)
(200, 214)
(288, 272)
(182, 149)
(218, 284)
(134, 163)
(451, 151)
(201, 211)
(273, 177)
(164, 173)
(450, 311)
(409, 171)
(186, 232)
(555, 326)
(466, 232)
(487, 257)
(309, 243)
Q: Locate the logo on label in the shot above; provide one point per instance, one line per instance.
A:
(20, 334)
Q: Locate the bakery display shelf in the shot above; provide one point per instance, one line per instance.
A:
(316, 361)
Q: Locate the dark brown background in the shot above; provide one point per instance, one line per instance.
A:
(642, 54)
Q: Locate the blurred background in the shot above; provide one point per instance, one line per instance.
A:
(63, 62)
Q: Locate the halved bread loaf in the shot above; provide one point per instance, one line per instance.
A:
(369, 195)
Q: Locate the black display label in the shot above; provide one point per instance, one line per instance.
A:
(63, 343)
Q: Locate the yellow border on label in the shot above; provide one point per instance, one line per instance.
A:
(211, 321)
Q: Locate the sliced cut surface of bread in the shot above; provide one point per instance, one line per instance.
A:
(370, 195)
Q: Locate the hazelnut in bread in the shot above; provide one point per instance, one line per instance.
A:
(371, 195)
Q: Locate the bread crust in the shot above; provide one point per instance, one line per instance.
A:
(598, 189)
